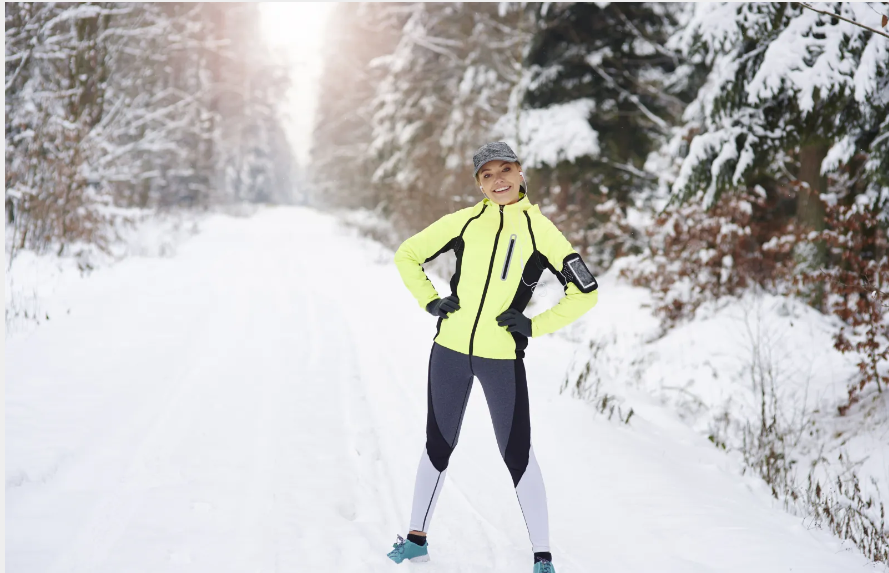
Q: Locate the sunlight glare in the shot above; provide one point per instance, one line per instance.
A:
(298, 28)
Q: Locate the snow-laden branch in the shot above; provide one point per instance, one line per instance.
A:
(665, 128)
(841, 17)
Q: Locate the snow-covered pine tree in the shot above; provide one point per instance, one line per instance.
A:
(445, 86)
(492, 76)
(111, 106)
(430, 83)
(246, 89)
(153, 141)
(792, 95)
(341, 166)
(56, 73)
(602, 93)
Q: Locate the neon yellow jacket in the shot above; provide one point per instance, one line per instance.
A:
(493, 245)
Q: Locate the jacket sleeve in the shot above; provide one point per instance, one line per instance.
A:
(432, 241)
(555, 247)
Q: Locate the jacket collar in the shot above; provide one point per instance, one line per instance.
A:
(523, 204)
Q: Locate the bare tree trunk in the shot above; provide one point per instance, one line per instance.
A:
(564, 189)
(809, 206)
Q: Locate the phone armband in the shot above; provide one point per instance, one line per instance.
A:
(577, 272)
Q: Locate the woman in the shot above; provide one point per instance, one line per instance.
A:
(502, 244)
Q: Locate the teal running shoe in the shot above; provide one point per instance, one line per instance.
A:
(407, 549)
(544, 566)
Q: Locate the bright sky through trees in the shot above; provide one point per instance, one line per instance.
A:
(297, 29)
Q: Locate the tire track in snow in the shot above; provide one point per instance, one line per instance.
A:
(260, 525)
(328, 378)
(171, 432)
(368, 504)
(110, 515)
(291, 539)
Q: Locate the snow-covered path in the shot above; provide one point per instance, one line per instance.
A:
(257, 404)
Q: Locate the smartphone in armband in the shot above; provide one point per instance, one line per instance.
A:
(579, 274)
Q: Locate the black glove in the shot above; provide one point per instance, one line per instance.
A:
(515, 321)
(442, 306)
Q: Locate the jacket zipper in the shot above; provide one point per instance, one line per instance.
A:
(512, 239)
(481, 303)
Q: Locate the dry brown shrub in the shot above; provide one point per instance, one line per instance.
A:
(697, 255)
(856, 283)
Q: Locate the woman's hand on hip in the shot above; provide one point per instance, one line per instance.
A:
(515, 321)
(443, 306)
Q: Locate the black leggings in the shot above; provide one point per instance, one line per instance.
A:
(506, 392)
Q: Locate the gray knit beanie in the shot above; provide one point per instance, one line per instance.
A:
(494, 151)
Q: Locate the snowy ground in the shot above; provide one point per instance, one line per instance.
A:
(31, 281)
(256, 403)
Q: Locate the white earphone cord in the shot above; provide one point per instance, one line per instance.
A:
(522, 265)
(540, 282)
(521, 251)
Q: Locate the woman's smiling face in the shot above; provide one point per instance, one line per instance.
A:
(500, 181)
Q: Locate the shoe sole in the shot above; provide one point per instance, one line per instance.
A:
(417, 559)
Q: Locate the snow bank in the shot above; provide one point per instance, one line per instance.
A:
(32, 279)
(738, 360)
